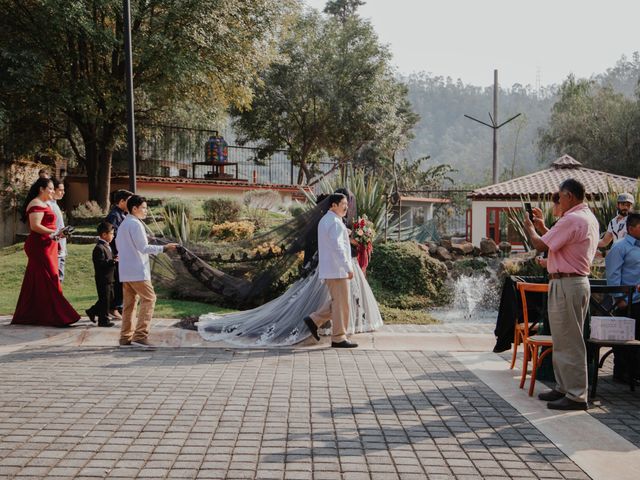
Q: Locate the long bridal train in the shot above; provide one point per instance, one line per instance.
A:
(279, 322)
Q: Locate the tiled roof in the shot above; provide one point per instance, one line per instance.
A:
(546, 182)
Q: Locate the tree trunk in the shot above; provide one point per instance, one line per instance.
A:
(304, 172)
(97, 160)
(98, 163)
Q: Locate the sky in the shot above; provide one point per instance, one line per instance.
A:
(527, 41)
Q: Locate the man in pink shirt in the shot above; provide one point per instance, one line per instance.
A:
(571, 244)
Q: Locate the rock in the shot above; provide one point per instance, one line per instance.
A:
(424, 248)
(449, 264)
(464, 248)
(488, 247)
(433, 246)
(445, 243)
(476, 251)
(443, 254)
(505, 248)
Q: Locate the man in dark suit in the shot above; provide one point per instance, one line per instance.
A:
(104, 265)
(116, 217)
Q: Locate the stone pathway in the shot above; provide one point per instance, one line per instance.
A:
(214, 413)
(412, 402)
(457, 328)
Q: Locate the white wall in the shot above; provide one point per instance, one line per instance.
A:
(479, 216)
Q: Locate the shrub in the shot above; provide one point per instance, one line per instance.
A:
(87, 213)
(233, 230)
(522, 265)
(296, 209)
(410, 277)
(265, 199)
(218, 210)
(392, 316)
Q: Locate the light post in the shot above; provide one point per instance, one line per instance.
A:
(131, 128)
(494, 126)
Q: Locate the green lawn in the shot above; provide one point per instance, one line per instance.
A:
(79, 286)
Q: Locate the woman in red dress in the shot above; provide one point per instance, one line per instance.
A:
(41, 301)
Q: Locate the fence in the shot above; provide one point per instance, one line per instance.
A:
(172, 151)
(443, 220)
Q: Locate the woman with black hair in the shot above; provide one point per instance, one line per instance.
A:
(41, 301)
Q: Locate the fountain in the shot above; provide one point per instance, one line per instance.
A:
(474, 300)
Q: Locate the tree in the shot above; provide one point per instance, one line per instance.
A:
(343, 9)
(333, 93)
(62, 64)
(597, 126)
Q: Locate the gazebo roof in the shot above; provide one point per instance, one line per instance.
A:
(546, 182)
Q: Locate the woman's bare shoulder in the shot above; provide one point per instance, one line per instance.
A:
(36, 203)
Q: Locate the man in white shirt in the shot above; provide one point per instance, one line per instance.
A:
(135, 274)
(336, 269)
(58, 193)
(617, 228)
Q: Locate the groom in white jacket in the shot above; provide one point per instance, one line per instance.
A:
(336, 269)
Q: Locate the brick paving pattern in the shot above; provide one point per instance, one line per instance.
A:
(456, 328)
(217, 413)
(615, 405)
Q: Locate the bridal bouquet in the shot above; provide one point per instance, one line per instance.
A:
(363, 234)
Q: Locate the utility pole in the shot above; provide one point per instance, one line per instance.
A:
(131, 128)
(494, 125)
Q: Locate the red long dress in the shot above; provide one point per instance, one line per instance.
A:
(41, 301)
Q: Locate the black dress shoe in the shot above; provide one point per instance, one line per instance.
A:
(344, 344)
(313, 328)
(91, 315)
(551, 395)
(105, 323)
(567, 404)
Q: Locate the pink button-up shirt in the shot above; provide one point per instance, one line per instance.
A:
(572, 241)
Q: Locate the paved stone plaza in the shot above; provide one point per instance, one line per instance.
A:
(81, 411)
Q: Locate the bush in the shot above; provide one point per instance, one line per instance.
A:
(392, 316)
(406, 276)
(233, 230)
(522, 265)
(87, 213)
(265, 199)
(218, 210)
(296, 209)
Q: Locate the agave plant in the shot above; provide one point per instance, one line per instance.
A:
(180, 225)
(606, 207)
(515, 217)
(369, 192)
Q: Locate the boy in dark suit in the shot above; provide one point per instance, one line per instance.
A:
(104, 265)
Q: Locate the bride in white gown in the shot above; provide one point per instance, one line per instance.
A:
(280, 321)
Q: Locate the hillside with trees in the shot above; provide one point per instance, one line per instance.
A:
(552, 122)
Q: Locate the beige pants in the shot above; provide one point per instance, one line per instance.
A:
(131, 291)
(568, 305)
(335, 309)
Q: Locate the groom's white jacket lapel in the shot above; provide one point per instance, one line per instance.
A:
(334, 251)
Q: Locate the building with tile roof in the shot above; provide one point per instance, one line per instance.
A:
(489, 205)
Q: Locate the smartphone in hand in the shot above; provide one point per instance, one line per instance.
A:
(527, 207)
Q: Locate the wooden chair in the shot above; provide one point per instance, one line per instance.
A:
(518, 331)
(532, 343)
